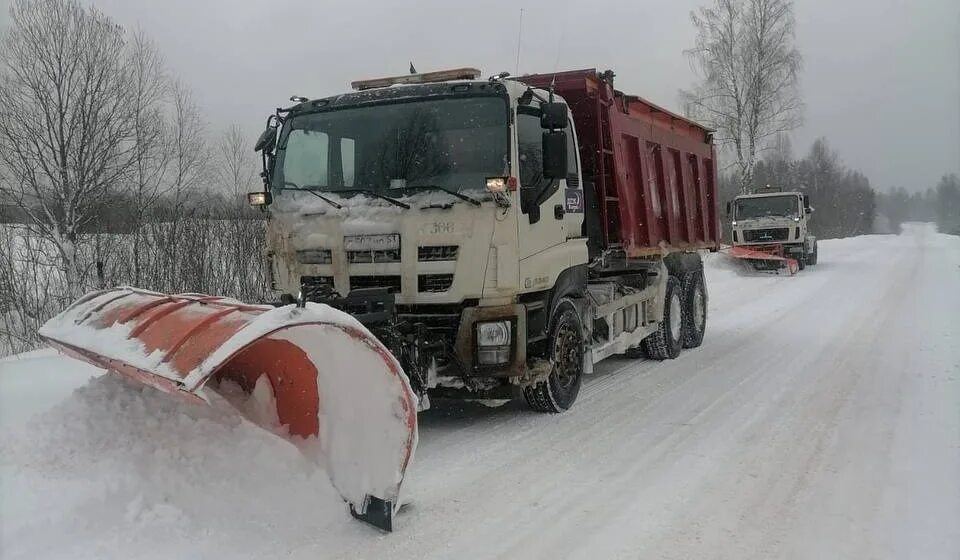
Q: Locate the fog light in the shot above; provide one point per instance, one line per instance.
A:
(493, 343)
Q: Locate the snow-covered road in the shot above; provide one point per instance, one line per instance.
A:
(820, 419)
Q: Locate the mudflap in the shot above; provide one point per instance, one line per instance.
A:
(330, 378)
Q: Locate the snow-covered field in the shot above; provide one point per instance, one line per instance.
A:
(820, 419)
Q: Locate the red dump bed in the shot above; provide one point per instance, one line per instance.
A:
(653, 173)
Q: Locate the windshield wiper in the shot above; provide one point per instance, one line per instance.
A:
(461, 196)
(375, 194)
(312, 189)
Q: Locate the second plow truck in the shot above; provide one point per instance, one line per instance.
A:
(770, 229)
(438, 235)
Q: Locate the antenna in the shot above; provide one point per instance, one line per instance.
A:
(519, 43)
(560, 42)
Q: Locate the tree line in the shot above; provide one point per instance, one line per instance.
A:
(939, 204)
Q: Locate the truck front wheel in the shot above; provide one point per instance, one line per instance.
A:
(666, 343)
(561, 388)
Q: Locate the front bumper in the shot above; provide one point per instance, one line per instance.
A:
(434, 342)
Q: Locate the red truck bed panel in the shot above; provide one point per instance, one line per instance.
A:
(653, 172)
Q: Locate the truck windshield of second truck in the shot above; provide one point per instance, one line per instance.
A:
(453, 143)
(768, 206)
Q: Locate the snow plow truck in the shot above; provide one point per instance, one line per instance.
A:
(770, 230)
(438, 235)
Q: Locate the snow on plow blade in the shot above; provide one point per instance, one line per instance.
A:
(765, 257)
(329, 377)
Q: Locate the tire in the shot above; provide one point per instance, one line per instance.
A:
(694, 290)
(566, 347)
(802, 262)
(666, 343)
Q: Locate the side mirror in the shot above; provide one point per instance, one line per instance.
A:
(555, 154)
(267, 140)
(809, 209)
(729, 207)
(553, 116)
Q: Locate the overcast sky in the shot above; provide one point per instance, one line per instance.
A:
(881, 79)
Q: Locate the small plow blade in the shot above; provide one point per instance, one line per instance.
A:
(765, 258)
(330, 378)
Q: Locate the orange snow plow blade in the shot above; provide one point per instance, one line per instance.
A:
(329, 377)
(765, 257)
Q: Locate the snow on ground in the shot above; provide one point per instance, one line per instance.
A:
(35, 381)
(820, 419)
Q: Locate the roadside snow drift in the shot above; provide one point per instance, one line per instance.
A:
(314, 372)
(119, 463)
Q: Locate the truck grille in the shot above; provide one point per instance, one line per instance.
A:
(440, 320)
(313, 285)
(358, 257)
(315, 256)
(438, 253)
(771, 234)
(391, 282)
(434, 282)
(316, 281)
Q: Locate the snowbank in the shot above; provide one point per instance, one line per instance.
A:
(123, 469)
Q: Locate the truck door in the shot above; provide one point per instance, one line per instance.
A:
(538, 233)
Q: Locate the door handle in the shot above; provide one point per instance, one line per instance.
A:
(558, 211)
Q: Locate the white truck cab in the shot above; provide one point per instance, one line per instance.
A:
(446, 213)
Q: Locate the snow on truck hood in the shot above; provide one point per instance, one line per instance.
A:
(308, 219)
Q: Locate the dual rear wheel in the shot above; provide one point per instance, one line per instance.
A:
(684, 317)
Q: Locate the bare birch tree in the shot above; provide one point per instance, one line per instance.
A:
(66, 125)
(748, 67)
(153, 150)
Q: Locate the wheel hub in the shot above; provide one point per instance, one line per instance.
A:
(675, 318)
(699, 309)
(566, 355)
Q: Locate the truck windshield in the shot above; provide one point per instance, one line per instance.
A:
(776, 206)
(454, 143)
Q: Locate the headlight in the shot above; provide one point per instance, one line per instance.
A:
(496, 184)
(259, 199)
(501, 184)
(493, 334)
(733, 223)
(493, 343)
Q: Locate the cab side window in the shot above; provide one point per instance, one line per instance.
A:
(530, 148)
(571, 153)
